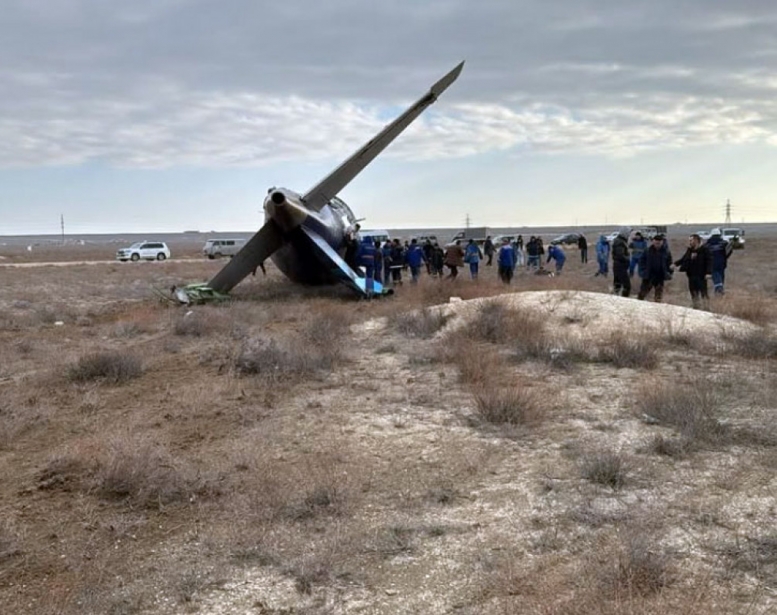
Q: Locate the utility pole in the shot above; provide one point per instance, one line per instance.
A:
(728, 212)
(62, 224)
(467, 222)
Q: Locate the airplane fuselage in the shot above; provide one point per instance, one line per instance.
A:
(332, 223)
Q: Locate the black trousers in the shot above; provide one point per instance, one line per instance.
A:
(697, 285)
(622, 281)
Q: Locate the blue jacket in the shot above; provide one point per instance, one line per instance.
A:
(472, 253)
(556, 253)
(602, 249)
(386, 252)
(367, 253)
(414, 256)
(506, 256)
(638, 246)
(719, 251)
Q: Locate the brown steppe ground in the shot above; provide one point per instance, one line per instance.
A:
(298, 451)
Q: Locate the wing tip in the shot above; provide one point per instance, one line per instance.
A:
(443, 84)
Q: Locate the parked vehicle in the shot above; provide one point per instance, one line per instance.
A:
(735, 236)
(215, 248)
(376, 234)
(499, 239)
(567, 239)
(147, 250)
(477, 233)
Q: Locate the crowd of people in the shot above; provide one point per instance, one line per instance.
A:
(629, 253)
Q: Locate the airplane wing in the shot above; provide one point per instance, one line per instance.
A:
(320, 194)
(266, 241)
(338, 268)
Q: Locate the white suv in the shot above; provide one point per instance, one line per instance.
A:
(148, 250)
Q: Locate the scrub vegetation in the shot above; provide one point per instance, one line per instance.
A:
(297, 451)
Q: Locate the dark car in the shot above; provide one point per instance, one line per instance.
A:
(567, 239)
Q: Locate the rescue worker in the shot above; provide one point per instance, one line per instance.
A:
(473, 256)
(367, 260)
(602, 255)
(414, 259)
(506, 261)
(556, 253)
(720, 251)
(637, 246)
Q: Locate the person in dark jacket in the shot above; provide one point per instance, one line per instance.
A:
(386, 252)
(378, 263)
(397, 262)
(620, 264)
(720, 251)
(582, 244)
(438, 260)
(488, 250)
(697, 265)
(454, 258)
(532, 253)
(428, 249)
(506, 261)
(656, 264)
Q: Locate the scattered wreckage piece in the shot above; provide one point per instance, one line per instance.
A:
(193, 294)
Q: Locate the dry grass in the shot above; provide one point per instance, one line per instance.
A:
(111, 367)
(606, 468)
(628, 350)
(422, 324)
(693, 410)
(368, 466)
(515, 406)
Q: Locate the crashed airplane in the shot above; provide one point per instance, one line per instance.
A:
(304, 235)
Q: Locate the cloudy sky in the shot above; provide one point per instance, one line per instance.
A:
(166, 115)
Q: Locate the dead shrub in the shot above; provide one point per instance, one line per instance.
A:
(193, 324)
(498, 324)
(691, 408)
(110, 367)
(758, 344)
(422, 324)
(489, 323)
(10, 541)
(394, 540)
(668, 447)
(65, 471)
(280, 359)
(511, 406)
(757, 309)
(756, 556)
(327, 334)
(127, 330)
(640, 569)
(621, 350)
(604, 468)
(145, 474)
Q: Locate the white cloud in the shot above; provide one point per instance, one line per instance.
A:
(189, 82)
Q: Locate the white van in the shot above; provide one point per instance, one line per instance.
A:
(376, 234)
(215, 248)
